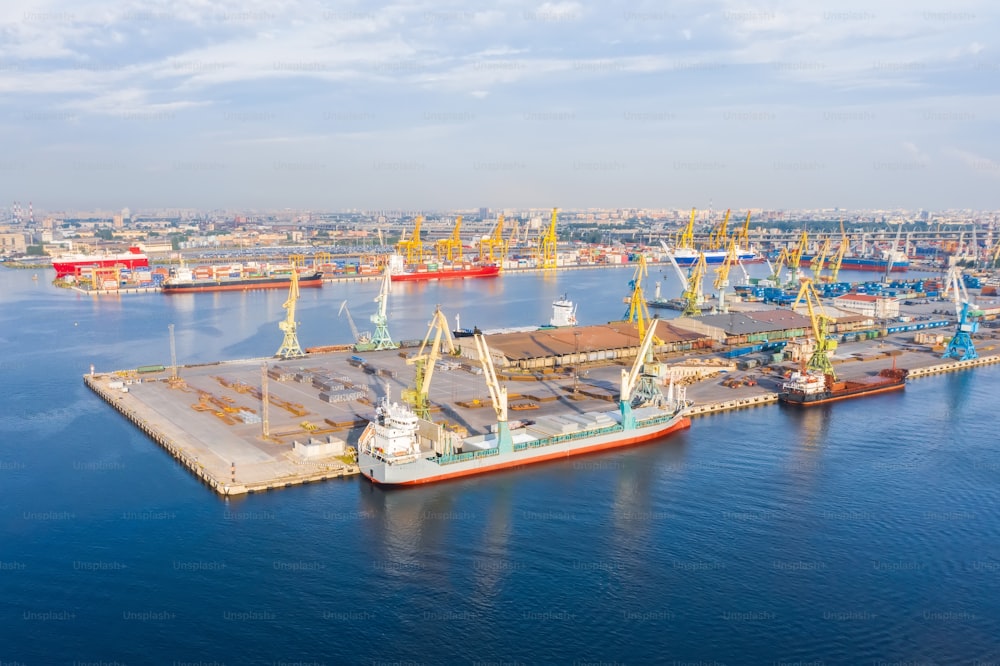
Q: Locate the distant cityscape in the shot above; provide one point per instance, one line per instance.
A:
(25, 230)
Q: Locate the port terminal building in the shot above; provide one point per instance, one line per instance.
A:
(552, 348)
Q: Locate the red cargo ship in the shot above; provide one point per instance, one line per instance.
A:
(68, 264)
(400, 272)
(814, 388)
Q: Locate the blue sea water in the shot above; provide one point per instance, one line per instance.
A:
(863, 532)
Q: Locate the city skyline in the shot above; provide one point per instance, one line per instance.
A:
(418, 106)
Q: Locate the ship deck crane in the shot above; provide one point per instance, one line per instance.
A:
(961, 346)
(450, 249)
(425, 359)
(498, 395)
(381, 338)
(548, 242)
(290, 345)
(677, 268)
(820, 359)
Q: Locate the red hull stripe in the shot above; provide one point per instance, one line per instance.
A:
(684, 422)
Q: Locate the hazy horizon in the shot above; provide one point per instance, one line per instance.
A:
(414, 106)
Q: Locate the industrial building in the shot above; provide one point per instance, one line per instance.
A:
(555, 347)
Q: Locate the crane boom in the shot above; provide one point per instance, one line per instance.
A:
(630, 379)
(498, 394)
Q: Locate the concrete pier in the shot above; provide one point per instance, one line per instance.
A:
(209, 417)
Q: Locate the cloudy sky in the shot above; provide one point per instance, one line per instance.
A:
(506, 103)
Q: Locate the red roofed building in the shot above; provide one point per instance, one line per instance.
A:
(878, 307)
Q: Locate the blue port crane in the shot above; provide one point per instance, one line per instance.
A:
(961, 346)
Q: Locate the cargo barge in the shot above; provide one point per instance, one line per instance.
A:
(70, 264)
(398, 448)
(186, 282)
(805, 389)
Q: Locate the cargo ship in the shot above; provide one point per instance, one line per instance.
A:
(900, 263)
(69, 264)
(398, 448)
(686, 256)
(185, 280)
(399, 271)
(806, 389)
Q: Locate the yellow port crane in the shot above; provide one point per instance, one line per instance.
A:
(818, 261)
(290, 345)
(692, 295)
(795, 256)
(838, 257)
(820, 359)
(779, 263)
(722, 273)
(717, 237)
(743, 237)
(450, 249)
(412, 248)
(638, 311)
(686, 239)
(494, 248)
(424, 361)
(498, 395)
(548, 242)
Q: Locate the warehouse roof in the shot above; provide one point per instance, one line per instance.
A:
(759, 321)
(568, 340)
